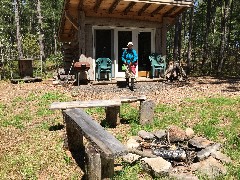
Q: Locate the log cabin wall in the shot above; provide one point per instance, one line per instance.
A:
(80, 16)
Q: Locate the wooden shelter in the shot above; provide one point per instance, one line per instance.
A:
(102, 28)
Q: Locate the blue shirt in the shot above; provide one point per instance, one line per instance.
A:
(129, 55)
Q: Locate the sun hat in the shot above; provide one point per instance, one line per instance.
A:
(130, 43)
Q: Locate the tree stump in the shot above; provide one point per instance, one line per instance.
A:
(147, 112)
(113, 116)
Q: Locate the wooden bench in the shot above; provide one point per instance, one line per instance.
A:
(112, 107)
(102, 147)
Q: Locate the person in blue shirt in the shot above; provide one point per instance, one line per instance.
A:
(130, 60)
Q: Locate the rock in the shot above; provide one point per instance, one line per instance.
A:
(131, 158)
(210, 167)
(132, 144)
(148, 153)
(204, 153)
(220, 156)
(200, 142)
(157, 167)
(183, 176)
(145, 135)
(160, 133)
(137, 138)
(208, 150)
(176, 134)
(189, 133)
(56, 82)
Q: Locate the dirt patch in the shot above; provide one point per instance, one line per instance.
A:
(161, 92)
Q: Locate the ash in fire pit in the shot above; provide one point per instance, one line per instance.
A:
(174, 151)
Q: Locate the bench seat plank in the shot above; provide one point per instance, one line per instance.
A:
(85, 104)
(96, 103)
(94, 132)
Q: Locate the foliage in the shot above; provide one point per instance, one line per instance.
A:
(30, 45)
(199, 34)
(51, 12)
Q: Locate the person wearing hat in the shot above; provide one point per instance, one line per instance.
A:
(130, 58)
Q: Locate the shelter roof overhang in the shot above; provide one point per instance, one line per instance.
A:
(140, 10)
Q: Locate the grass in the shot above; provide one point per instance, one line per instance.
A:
(218, 119)
(29, 149)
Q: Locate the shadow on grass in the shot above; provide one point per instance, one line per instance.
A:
(56, 127)
(105, 124)
(78, 154)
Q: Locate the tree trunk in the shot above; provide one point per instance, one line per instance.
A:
(189, 51)
(179, 38)
(224, 33)
(206, 35)
(41, 46)
(18, 34)
(175, 49)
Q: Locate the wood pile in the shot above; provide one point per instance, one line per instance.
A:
(70, 54)
(175, 71)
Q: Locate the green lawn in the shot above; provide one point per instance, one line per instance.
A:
(29, 149)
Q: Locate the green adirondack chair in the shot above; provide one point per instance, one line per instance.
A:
(158, 63)
(103, 65)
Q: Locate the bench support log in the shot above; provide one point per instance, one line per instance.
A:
(74, 135)
(93, 164)
(97, 167)
(107, 168)
(147, 112)
(113, 116)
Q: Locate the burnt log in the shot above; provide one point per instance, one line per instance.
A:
(170, 154)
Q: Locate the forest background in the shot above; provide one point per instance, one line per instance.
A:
(206, 37)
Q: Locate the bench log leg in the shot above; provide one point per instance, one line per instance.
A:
(97, 167)
(112, 116)
(74, 141)
(93, 164)
(147, 112)
(74, 135)
(107, 168)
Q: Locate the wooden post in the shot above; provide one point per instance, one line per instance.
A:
(158, 41)
(93, 166)
(112, 116)
(81, 33)
(74, 135)
(97, 167)
(147, 112)
(89, 40)
(164, 37)
(107, 168)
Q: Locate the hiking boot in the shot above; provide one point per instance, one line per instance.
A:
(133, 83)
(127, 82)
